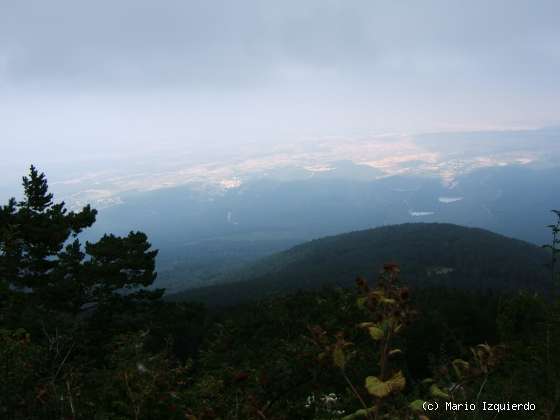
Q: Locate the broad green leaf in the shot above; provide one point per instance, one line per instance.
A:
(397, 382)
(376, 387)
(381, 389)
(394, 352)
(436, 392)
(376, 333)
(417, 406)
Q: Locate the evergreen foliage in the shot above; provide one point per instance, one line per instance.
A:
(83, 335)
(430, 254)
(43, 263)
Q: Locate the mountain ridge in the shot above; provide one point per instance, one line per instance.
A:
(428, 253)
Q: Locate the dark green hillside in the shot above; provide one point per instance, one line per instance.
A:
(429, 254)
(74, 346)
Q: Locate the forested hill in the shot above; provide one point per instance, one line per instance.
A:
(428, 254)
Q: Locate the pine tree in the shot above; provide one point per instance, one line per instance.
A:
(43, 263)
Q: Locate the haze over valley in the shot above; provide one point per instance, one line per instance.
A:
(234, 210)
(210, 217)
(276, 210)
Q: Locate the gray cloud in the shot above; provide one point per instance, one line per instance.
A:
(93, 80)
(224, 43)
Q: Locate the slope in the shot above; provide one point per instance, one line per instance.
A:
(429, 254)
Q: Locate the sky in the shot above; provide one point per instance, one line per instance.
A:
(88, 86)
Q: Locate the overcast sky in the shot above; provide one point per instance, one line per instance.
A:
(84, 81)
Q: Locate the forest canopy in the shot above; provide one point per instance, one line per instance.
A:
(84, 334)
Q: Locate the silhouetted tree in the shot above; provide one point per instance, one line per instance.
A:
(43, 263)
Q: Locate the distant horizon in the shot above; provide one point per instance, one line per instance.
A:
(326, 102)
(138, 84)
(392, 153)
